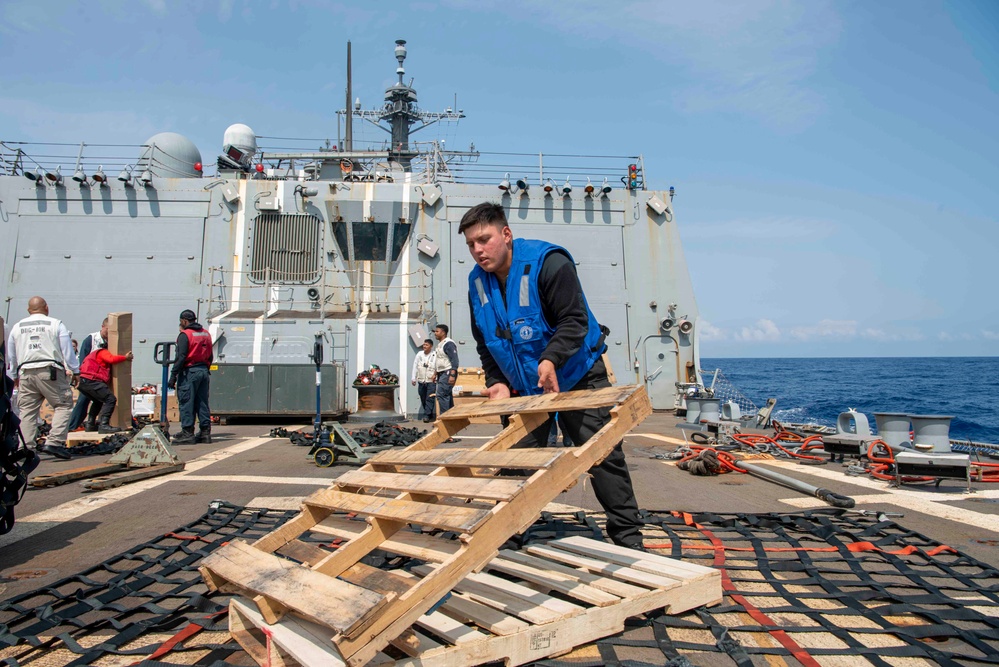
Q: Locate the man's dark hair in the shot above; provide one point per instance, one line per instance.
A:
(442, 327)
(189, 316)
(427, 340)
(487, 212)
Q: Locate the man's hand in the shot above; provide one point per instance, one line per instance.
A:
(413, 382)
(546, 377)
(497, 391)
(452, 377)
(74, 378)
(172, 384)
(129, 356)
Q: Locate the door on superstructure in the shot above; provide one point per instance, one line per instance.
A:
(659, 370)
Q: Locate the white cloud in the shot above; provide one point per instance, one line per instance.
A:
(883, 336)
(826, 329)
(710, 332)
(158, 6)
(947, 336)
(764, 331)
(990, 335)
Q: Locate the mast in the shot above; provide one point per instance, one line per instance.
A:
(350, 127)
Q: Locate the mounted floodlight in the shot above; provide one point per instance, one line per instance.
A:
(522, 184)
(430, 193)
(54, 177)
(686, 326)
(667, 323)
(605, 189)
(80, 177)
(146, 177)
(656, 205)
(126, 177)
(100, 177)
(37, 176)
(549, 187)
(505, 183)
(588, 188)
(567, 188)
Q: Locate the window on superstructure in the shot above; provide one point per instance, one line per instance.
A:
(371, 241)
(285, 248)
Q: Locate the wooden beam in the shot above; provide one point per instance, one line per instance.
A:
(120, 342)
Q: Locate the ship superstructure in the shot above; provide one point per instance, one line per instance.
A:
(354, 249)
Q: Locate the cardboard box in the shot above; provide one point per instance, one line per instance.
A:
(173, 414)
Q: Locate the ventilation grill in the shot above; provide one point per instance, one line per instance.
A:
(289, 245)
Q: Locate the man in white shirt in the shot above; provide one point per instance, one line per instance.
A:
(423, 379)
(40, 359)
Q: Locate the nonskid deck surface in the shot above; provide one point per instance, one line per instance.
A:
(794, 590)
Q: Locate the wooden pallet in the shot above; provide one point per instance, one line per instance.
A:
(429, 486)
(549, 599)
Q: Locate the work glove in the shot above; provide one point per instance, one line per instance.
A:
(172, 384)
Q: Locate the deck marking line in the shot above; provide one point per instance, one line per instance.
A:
(38, 522)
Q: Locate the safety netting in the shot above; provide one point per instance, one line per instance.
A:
(822, 587)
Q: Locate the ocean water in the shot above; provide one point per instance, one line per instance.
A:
(817, 390)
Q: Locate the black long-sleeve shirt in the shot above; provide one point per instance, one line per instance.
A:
(183, 347)
(563, 307)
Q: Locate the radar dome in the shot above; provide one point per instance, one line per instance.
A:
(239, 145)
(170, 155)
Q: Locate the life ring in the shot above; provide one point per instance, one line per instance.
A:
(346, 166)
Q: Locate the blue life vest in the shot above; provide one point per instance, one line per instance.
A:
(516, 333)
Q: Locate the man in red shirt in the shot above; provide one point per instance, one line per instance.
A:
(95, 376)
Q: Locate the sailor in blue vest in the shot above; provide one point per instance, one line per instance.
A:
(535, 334)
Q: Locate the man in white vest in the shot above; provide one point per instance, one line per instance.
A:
(445, 368)
(40, 359)
(423, 373)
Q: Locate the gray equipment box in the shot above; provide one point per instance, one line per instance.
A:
(275, 389)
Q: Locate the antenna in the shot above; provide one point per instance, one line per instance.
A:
(350, 126)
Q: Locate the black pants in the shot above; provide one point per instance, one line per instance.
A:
(192, 397)
(611, 479)
(101, 396)
(426, 390)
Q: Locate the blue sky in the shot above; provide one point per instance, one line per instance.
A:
(836, 164)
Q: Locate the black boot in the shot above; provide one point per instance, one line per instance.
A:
(105, 427)
(89, 425)
(185, 437)
(205, 435)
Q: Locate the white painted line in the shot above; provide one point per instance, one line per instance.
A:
(960, 515)
(256, 479)
(38, 522)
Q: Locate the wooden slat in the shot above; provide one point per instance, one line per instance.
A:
(637, 560)
(303, 552)
(603, 567)
(511, 597)
(562, 402)
(458, 487)
(493, 620)
(554, 581)
(337, 604)
(380, 581)
(523, 459)
(403, 543)
(449, 629)
(613, 586)
(445, 517)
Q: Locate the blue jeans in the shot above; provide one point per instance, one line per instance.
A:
(444, 399)
(192, 397)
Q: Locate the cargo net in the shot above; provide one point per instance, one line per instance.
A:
(721, 387)
(822, 587)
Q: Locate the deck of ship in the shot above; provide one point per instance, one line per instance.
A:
(64, 530)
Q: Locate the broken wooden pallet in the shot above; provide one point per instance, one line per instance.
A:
(399, 488)
(525, 606)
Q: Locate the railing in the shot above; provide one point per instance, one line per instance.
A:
(366, 291)
(431, 164)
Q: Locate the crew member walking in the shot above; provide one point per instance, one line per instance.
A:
(445, 368)
(41, 361)
(95, 376)
(190, 376)
(422, 379)
(535, 333)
